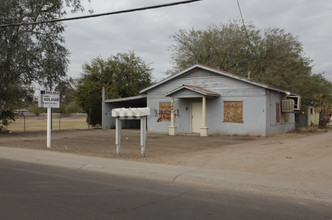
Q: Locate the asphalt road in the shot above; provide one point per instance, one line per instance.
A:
(29, 191)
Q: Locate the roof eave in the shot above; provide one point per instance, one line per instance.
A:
(126, 99)
(191, 89)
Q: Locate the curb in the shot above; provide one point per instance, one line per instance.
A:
(207, 178)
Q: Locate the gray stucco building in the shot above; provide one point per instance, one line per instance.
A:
(209, 101)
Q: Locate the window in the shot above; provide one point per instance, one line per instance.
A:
(233, 111)
(277, 113)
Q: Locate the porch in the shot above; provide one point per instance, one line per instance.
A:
(198, 107)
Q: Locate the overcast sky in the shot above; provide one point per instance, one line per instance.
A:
(147, 33)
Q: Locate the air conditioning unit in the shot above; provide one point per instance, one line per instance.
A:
(297, 102)
(291, 104)
(287, 105)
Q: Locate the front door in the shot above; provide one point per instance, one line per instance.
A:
(196, 117)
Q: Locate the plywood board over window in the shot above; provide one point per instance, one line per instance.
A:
(287, 117)
(233, 111)
(164, 111)
(277, 113)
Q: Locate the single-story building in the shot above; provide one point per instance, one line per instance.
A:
(210, 101)
(313, 116)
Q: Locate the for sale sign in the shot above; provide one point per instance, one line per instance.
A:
(48, 99)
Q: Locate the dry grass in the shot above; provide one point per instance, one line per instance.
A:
(303, 131)
(40, 123)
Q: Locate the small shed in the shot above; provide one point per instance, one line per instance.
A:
(208, 101)
(108, 122)
(313, 116)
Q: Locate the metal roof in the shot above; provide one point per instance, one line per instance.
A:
(132, 98)
(217, 71)
(196, 89)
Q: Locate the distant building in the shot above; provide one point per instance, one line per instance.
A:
(210, 101)
(313, 116)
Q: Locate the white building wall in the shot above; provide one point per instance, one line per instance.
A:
(313, 116)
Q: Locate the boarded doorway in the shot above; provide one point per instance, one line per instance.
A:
(196, 117)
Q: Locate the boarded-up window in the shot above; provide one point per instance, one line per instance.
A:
(277, 113)
(233, 111)
(164, 111)
(287, 117)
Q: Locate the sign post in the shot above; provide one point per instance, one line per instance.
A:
(49, 125)
(49, 100)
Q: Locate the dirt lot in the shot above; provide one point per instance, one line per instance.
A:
(299, 155)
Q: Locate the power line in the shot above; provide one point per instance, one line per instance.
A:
(99, 15)
(247, 35)
(238, 5)
(244, 26)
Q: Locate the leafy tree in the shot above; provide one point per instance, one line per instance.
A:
(73, 107)
(324, 111)
(225, 47)
(66, 91)
(66, 95)
(20, 98)
(122, 75)
(35, 109)
(30, 53)
(271, 56)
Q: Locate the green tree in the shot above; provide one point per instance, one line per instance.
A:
(66, 91)
(35, 109)
(272, 56)
(66, 95)
(20, 98)
(31, 53)
(224, 47)
(324, 111)
(73, 107)
(122, 75)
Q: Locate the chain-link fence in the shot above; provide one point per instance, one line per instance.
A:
(25, 122)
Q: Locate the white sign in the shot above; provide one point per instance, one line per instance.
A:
(48, 99)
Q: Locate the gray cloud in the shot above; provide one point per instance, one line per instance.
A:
(148, 32)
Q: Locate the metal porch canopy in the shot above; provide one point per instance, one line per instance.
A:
(190, 91)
